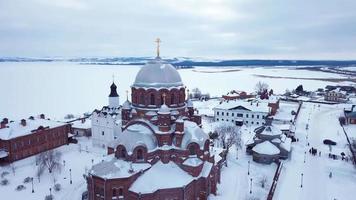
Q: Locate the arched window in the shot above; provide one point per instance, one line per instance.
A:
(121, 192)
(142, 100)
(139, 154)
(123, 153)
(114, 192)
(152, 99)
(172, 99)
(192, 150)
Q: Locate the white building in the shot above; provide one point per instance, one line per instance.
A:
(242, 112)
(106, 123)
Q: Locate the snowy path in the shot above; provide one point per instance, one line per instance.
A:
(317, 185)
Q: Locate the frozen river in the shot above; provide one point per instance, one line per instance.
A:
(59, 88)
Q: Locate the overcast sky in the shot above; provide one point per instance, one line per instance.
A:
(277, 29)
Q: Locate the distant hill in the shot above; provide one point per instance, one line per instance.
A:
(185, 62)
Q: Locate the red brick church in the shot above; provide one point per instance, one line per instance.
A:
(162, 152)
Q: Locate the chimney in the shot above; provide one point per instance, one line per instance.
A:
(42, 116)
(83, 120)
(3, 124)
(5, 120)
(23, 122)
(31, 118)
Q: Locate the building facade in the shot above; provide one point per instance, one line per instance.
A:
(162, 152)
(242, 112)
(22, 139)
(336, 95)
(106, 122)
(350, 114)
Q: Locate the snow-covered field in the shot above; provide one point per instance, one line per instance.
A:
(59, 88)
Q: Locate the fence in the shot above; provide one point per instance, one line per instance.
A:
(275, 181)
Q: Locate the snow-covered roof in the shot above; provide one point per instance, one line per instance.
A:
(286, 144)
(193, 161)
(135, 135)
(268, 130)
(164, 109)
(193, 133)
(244, 105)
(82, 124)
(117, 168)
(189, 103)
(161, 176)
(3, 153)
(126, 105)
(157, 73)
(266, 148)
(15, 129)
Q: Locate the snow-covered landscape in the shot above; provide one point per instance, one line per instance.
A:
(177, 100)
(70, 87)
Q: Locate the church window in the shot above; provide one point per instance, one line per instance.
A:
(172, 99)
(123, 153)
(217, 113)
(152, 99)
(227, 114)
(142, 100)
(102, 133)
(191, 150)
(139, 154)
(114, 192)
(232, 114)
(222, 113)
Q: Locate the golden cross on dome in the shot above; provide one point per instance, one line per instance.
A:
(158, 41)
(113, 77)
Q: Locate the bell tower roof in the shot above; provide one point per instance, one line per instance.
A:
(113, 92)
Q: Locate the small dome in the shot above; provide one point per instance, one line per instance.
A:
(193, 133)
(164, 109)
(158, 74)
(126, 105)
(189, 103)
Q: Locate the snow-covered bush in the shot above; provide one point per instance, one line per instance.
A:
(20, 187)
(49, 197)
(27, 180)
(57, 187)
(263, 181)
(4, 173)
(4, 182)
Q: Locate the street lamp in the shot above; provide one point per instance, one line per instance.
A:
(33, 191)
(305, 154)
(50, 191)
(251, 186)
(64, 163)
(70, 175)
(248, 169)
(301, 180)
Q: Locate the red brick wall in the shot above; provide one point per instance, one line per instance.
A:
(37, 142)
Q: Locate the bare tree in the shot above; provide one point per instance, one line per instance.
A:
(50, 160)
(261, 87)
(228, 134)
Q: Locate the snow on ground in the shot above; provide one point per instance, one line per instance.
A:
(70, 154)
(235, 181)
(49, 87)
(285, 110)
(323, 124)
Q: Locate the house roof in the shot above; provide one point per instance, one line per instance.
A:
(244, 105)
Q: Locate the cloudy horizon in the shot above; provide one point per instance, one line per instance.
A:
(240, 29)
